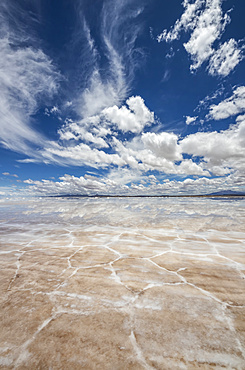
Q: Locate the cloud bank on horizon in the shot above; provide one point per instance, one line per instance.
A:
(89, 91)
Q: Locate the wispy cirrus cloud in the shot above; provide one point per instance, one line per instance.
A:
(110, 58)
(27, 77)
(205, 23)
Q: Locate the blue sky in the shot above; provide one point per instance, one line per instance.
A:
(122, 97)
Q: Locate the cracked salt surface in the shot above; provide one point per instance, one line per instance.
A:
(122, 283)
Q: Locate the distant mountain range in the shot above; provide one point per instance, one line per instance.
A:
(221, 193)
(228, 192)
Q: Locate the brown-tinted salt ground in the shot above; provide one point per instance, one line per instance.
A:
(122, 284)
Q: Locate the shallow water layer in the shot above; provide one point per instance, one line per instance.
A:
(122, 283)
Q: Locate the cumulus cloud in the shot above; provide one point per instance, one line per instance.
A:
(99, 132)
(225, 59)
(84, 142)
(222, 152)
(77, 131)
(159, 152)
(205, 22)
(231, 106)
(163, 145)
(84, 185)
(134, 118)
(91, 185)
(190, 120)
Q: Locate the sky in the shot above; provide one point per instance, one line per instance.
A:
(129, 97)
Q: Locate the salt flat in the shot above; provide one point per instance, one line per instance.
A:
(151, 283)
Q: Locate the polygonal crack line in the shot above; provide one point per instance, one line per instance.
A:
(118, 280)
(76, 269)
(170, 271)
(72, 255)
(115, 276)
(203, 291)
(138, 293)
(222, 256)
(156, 240)
(212, 245)
(217, 254)
(231, 326)
(106, 246)
(69, 260)
(89, 245)
(138, 351)
(23, 348)
(18, 265)
(159, 254)
(33, 241)
(210, 295)
(237, 264)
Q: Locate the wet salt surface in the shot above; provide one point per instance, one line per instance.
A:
(130, 283)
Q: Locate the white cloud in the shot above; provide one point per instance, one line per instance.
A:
(229, 107)
(123, 176)
(97, 96)
(9, 174)
(223, 152)
(157, 152)
(188, 167)
(187, 21)
(163, 145)
(84, 185)
(147, 151)
(110, 82)
(68, 104)
(190, 120)
(115, 184)
(78, 155)
(82, 143)
(54, 110)
(210, 25)
(205, 22)
(225, 59)
(75, 131)
(100, 131)
(134, 118)
(27, 77)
